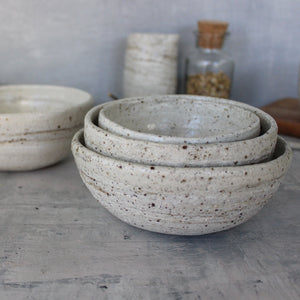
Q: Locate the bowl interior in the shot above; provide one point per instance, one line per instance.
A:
(17, 105)
(42, 99)
(179, 119)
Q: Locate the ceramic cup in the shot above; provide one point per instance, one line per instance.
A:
(150, 66)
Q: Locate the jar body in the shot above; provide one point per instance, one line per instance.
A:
(209, 72)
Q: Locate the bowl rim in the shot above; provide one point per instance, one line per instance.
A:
(88, 119)
(285, 156)
(84, 98)
(249, 131)
(130, 149)
(127, 148)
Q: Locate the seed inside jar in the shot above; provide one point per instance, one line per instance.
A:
(209, 84)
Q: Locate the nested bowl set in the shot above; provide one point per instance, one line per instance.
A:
(179, 164)
(185, 165)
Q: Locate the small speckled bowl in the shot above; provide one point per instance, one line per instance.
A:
(37, 123)
(179, 119)
(215, 154)
(183, 201)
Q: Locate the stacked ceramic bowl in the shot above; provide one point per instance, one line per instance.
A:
(37, 123)
(185, 165)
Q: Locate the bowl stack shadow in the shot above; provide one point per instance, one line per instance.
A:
(185, 165)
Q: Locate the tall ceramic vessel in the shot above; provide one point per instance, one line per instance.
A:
(150, 64)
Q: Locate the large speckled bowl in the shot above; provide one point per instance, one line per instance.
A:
(169, 154)
(179, 119)
(37, 123)
(184, 201)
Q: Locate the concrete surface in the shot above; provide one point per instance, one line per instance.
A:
(57, 242)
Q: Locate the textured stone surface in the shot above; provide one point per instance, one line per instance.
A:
(58, 243)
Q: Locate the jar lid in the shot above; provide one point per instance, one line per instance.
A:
(212, 33)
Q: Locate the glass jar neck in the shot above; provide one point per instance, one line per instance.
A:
(209, 50)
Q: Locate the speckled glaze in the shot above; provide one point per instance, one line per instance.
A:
(28, 109)
(150, 66)
(183, 201)
(37, 123)
(179, 119)
(33, 154)
(216, 154)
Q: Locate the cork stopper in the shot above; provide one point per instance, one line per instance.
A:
(211, 34)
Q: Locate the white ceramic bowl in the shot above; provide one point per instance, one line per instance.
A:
(185, 201)
(37, 123)
(33, 154)
(216, 154)
(40, 108)
(179, 119)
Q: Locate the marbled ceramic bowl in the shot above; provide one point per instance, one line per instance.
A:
(184, 201)
(179, 119)
(37, 123)
(215, 154)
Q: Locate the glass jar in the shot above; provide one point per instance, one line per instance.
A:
(209, 70)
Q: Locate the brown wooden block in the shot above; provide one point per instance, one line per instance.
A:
(286, 112)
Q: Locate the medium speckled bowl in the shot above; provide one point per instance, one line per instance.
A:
(37, 123)
(184, 201)
(179, 119)
(215, 154)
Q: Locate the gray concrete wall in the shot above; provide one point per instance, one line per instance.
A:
(81, 42)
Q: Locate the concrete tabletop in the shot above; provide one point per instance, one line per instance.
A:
(57, 242)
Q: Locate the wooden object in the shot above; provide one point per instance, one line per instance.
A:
(286, 112)
(212, 33)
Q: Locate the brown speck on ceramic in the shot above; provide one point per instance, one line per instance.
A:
(223, 193)
(211, 154)
(128, 117)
